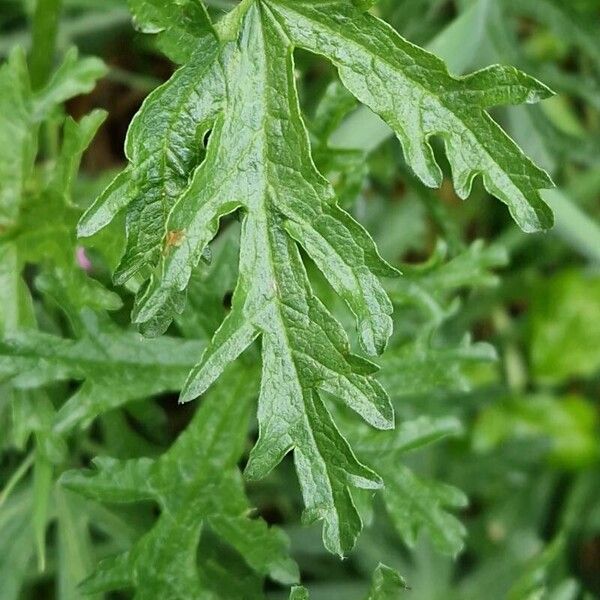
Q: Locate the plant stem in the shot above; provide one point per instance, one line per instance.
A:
(16, 477)
(515, 368)
(45, 28)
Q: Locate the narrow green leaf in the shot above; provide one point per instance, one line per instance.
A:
(42, 486)
(75, 557)
(77, 136)
(16, 308)
(46, 17)
(17, 135)
(179, 113)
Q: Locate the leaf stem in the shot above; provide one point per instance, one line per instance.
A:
(515, 368)
(16, 477)
(43, 43)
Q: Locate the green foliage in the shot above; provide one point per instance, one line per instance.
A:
(197, 485)
(414, 504)
(22, 112)
(379, 371)
(569, 426)
(386, 585)
(565, 334)
(242, 73)
(105, 358)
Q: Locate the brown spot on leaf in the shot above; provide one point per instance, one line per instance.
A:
(174, 239)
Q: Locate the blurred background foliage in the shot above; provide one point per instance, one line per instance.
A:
(497, 333)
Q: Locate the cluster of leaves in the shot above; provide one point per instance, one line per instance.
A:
(235, 240)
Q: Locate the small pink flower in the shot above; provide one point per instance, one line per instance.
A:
(82, 260)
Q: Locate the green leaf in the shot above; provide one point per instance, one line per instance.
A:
(299, 593)
(565, 327)
(386, 584)
(422, 367)
(471, 268)
(15, 534)
(42, 218)
(569, 426)
(408, 436)
(433, 285)
(17, 136)
(105, 358)
(179, 113)
(415, 504)
(239, 84)
(74, 544)
(413, 92)
(21, 112)
(197, 485)
(211, 288)
(304, 348)
(75, 76)
(16, 308)
(42, 486)
(44, 232)
(77, 136)
(345, 169)
(333, 107)
(177, 28)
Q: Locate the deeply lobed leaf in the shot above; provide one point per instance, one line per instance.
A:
(414, 93)
(239, 84)
(22, 111)
(197, 486)
(116, 367)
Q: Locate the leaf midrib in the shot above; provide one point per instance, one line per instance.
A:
(277, 301)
